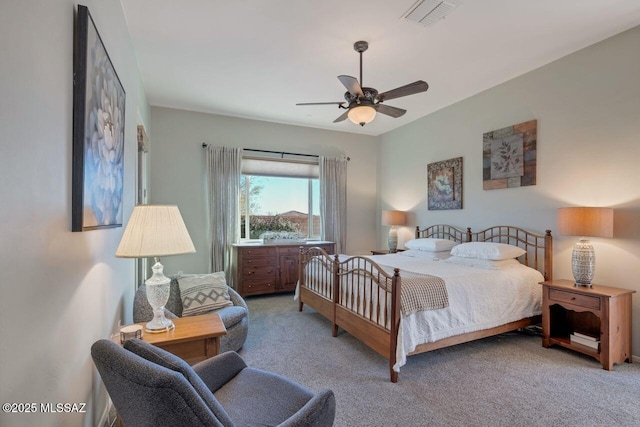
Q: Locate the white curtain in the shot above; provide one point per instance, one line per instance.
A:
(333, 201)
(224, 166)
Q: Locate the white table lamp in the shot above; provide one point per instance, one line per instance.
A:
(393, 218)
(155, 231)
(584, 222)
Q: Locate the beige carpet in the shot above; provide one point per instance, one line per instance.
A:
(508, 380)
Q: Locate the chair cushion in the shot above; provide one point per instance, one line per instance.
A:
(202, 293)
(167, 360)
(232, 315)
(255, 397)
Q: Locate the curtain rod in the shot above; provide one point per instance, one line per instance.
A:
(282, 153)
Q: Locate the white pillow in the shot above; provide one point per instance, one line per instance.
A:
(202, 293)
(431, 244)
(486, 264)
(487, 250)
(425, 255)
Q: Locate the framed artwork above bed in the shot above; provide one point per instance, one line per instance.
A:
(444, 184)
(509, 156)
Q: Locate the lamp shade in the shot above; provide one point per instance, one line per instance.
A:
(393, 218)
(585, 221)
(361, 115)
(155, 231)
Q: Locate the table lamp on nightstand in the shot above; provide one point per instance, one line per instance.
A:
(584, 222)
(393, 218)
(155, 231)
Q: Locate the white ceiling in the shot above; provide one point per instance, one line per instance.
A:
(257, 58)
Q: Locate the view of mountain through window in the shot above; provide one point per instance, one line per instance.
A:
(282, 207)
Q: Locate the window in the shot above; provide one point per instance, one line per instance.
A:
(279, 197)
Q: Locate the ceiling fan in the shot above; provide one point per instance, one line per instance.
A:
(364, 102)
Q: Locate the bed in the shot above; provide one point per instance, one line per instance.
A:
(362, 294)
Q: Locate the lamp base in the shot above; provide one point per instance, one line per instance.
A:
(158, 289)
(583, 262)
(159, 325)
(393, 240)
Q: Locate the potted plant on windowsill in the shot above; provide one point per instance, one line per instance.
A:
(272, 237)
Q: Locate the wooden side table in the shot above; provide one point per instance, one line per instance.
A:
(599, 311)
(195, 338)
(383, 251)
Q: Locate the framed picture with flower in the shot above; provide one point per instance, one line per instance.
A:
(509, 156)
(98, 132)
(444, 184)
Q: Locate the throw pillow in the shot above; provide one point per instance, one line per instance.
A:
(203, 293)
(431, 244)
(487, 250)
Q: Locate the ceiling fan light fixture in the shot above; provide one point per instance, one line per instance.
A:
(362, 114)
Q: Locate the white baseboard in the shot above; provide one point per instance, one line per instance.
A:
(635, 359)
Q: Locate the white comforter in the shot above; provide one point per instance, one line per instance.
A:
(478, 299)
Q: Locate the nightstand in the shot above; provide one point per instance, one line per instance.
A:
(383, 251)
(194, 339)
(599, 311)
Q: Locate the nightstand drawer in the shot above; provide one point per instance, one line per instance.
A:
(581, 300)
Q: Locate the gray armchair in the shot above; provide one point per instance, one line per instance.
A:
(151, 387)
(235, 317)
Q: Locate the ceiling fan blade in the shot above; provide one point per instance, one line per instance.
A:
(342, 117)
(410, 89)
(352, 85)
(321, 103)
(390, 111)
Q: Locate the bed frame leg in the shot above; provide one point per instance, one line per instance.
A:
(334, 330)
(300, 304)
(393, 374)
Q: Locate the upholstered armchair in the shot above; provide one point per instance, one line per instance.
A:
(150, 387)
(235, 317)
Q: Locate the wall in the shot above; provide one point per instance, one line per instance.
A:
(178, 170)
(61, 291)
(588, 111)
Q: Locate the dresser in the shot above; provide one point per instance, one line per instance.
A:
(270, 268)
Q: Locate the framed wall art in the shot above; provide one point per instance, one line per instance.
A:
(98, 132)
(444, 184)
(509, 156)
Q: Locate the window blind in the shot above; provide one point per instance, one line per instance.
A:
(279, 167)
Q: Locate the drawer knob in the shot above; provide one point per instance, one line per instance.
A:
(572, 298)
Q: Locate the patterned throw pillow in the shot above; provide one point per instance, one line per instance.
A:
(203, 293)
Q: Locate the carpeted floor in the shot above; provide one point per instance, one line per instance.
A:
(508, 380)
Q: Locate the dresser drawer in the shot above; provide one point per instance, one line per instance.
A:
(254, 262)
(290, 250)
(258, 252)
(268, 271)
(258, 286)
(327, 248)
(573, 298)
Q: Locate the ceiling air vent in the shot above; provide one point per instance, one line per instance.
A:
(430, 12)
